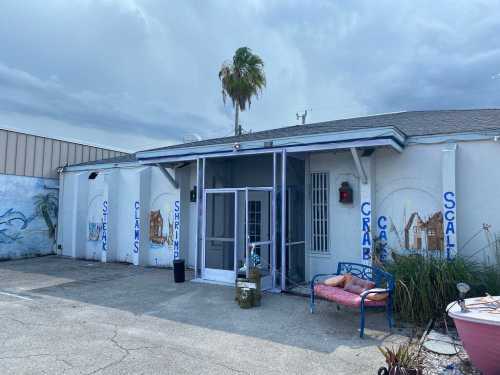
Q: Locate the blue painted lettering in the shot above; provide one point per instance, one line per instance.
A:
(450, 228)
(137, 227)
(449, 215)
(366, 253)
(105, 225)
(449, 198)
(177, 216)
(366, 224)
(365, 208)
(382, 222)
(366, 239)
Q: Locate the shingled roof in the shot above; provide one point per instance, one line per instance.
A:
(413, 123)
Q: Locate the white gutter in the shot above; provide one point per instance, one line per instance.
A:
(100, 166)
(486, 135)
(306, 148)
(280, 143)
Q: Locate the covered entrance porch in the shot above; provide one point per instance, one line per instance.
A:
(264, 195)
(241, 218)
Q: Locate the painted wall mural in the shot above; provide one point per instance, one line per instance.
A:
(164, 226)
(28, 216)
(95, 225)
(95, 231)
(156, 228)
(410, 220)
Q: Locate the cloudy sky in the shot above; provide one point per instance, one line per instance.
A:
(135, 74)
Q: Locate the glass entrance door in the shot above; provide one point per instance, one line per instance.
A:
(220, 231)
(259, 233)
(238, 234)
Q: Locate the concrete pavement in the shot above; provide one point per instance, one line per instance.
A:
(64, 316)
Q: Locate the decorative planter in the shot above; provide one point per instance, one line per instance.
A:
(254, 277)
(251, 287)
(479, 330)
(245, 299)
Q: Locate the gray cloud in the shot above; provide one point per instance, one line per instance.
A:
(148, 69)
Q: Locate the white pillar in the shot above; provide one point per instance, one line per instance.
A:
(110, 228)
(367, 209)
(140, 258)
(78, 218)
(449, 201)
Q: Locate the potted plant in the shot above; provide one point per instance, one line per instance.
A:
(254, 275)
(403, 360)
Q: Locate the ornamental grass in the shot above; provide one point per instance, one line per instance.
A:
(425, 285)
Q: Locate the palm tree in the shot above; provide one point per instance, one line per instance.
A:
(46, 206)
(242, 79)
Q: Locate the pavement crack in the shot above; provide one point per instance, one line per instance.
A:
(125, 352)
(210, 359)
(118, 361)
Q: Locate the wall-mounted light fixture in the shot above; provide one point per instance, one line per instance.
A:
(93, 175)
(345, 193)
(192, 195)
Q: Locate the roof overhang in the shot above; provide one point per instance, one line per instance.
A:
(361, 138)
(100, 166)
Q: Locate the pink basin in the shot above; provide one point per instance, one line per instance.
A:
(479, 330)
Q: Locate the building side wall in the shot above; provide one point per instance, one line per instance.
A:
(343, 218)
(27, 211)
(478, 200)
(110, 218)
(33, 156)
(408, 203)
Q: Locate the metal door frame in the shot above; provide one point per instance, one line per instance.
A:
(272, 234)
(204, 234)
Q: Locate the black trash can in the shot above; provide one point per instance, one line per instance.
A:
(179, 274)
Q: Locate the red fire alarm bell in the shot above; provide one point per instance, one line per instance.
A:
(345, 193)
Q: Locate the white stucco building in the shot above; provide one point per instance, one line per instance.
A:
(29, 188)
(420, 181)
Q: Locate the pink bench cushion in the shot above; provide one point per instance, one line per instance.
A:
(339, 295)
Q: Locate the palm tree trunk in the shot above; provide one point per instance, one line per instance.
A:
(48, 222)
(236, 117)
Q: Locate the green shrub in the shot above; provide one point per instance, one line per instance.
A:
(426, 285)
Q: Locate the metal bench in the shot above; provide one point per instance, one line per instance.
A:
(384, 282)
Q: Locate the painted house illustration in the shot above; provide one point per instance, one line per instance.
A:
(434, 232)
(156, 228)
(424, 235)
(413, 232)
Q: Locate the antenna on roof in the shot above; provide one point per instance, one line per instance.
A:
(302, 116)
